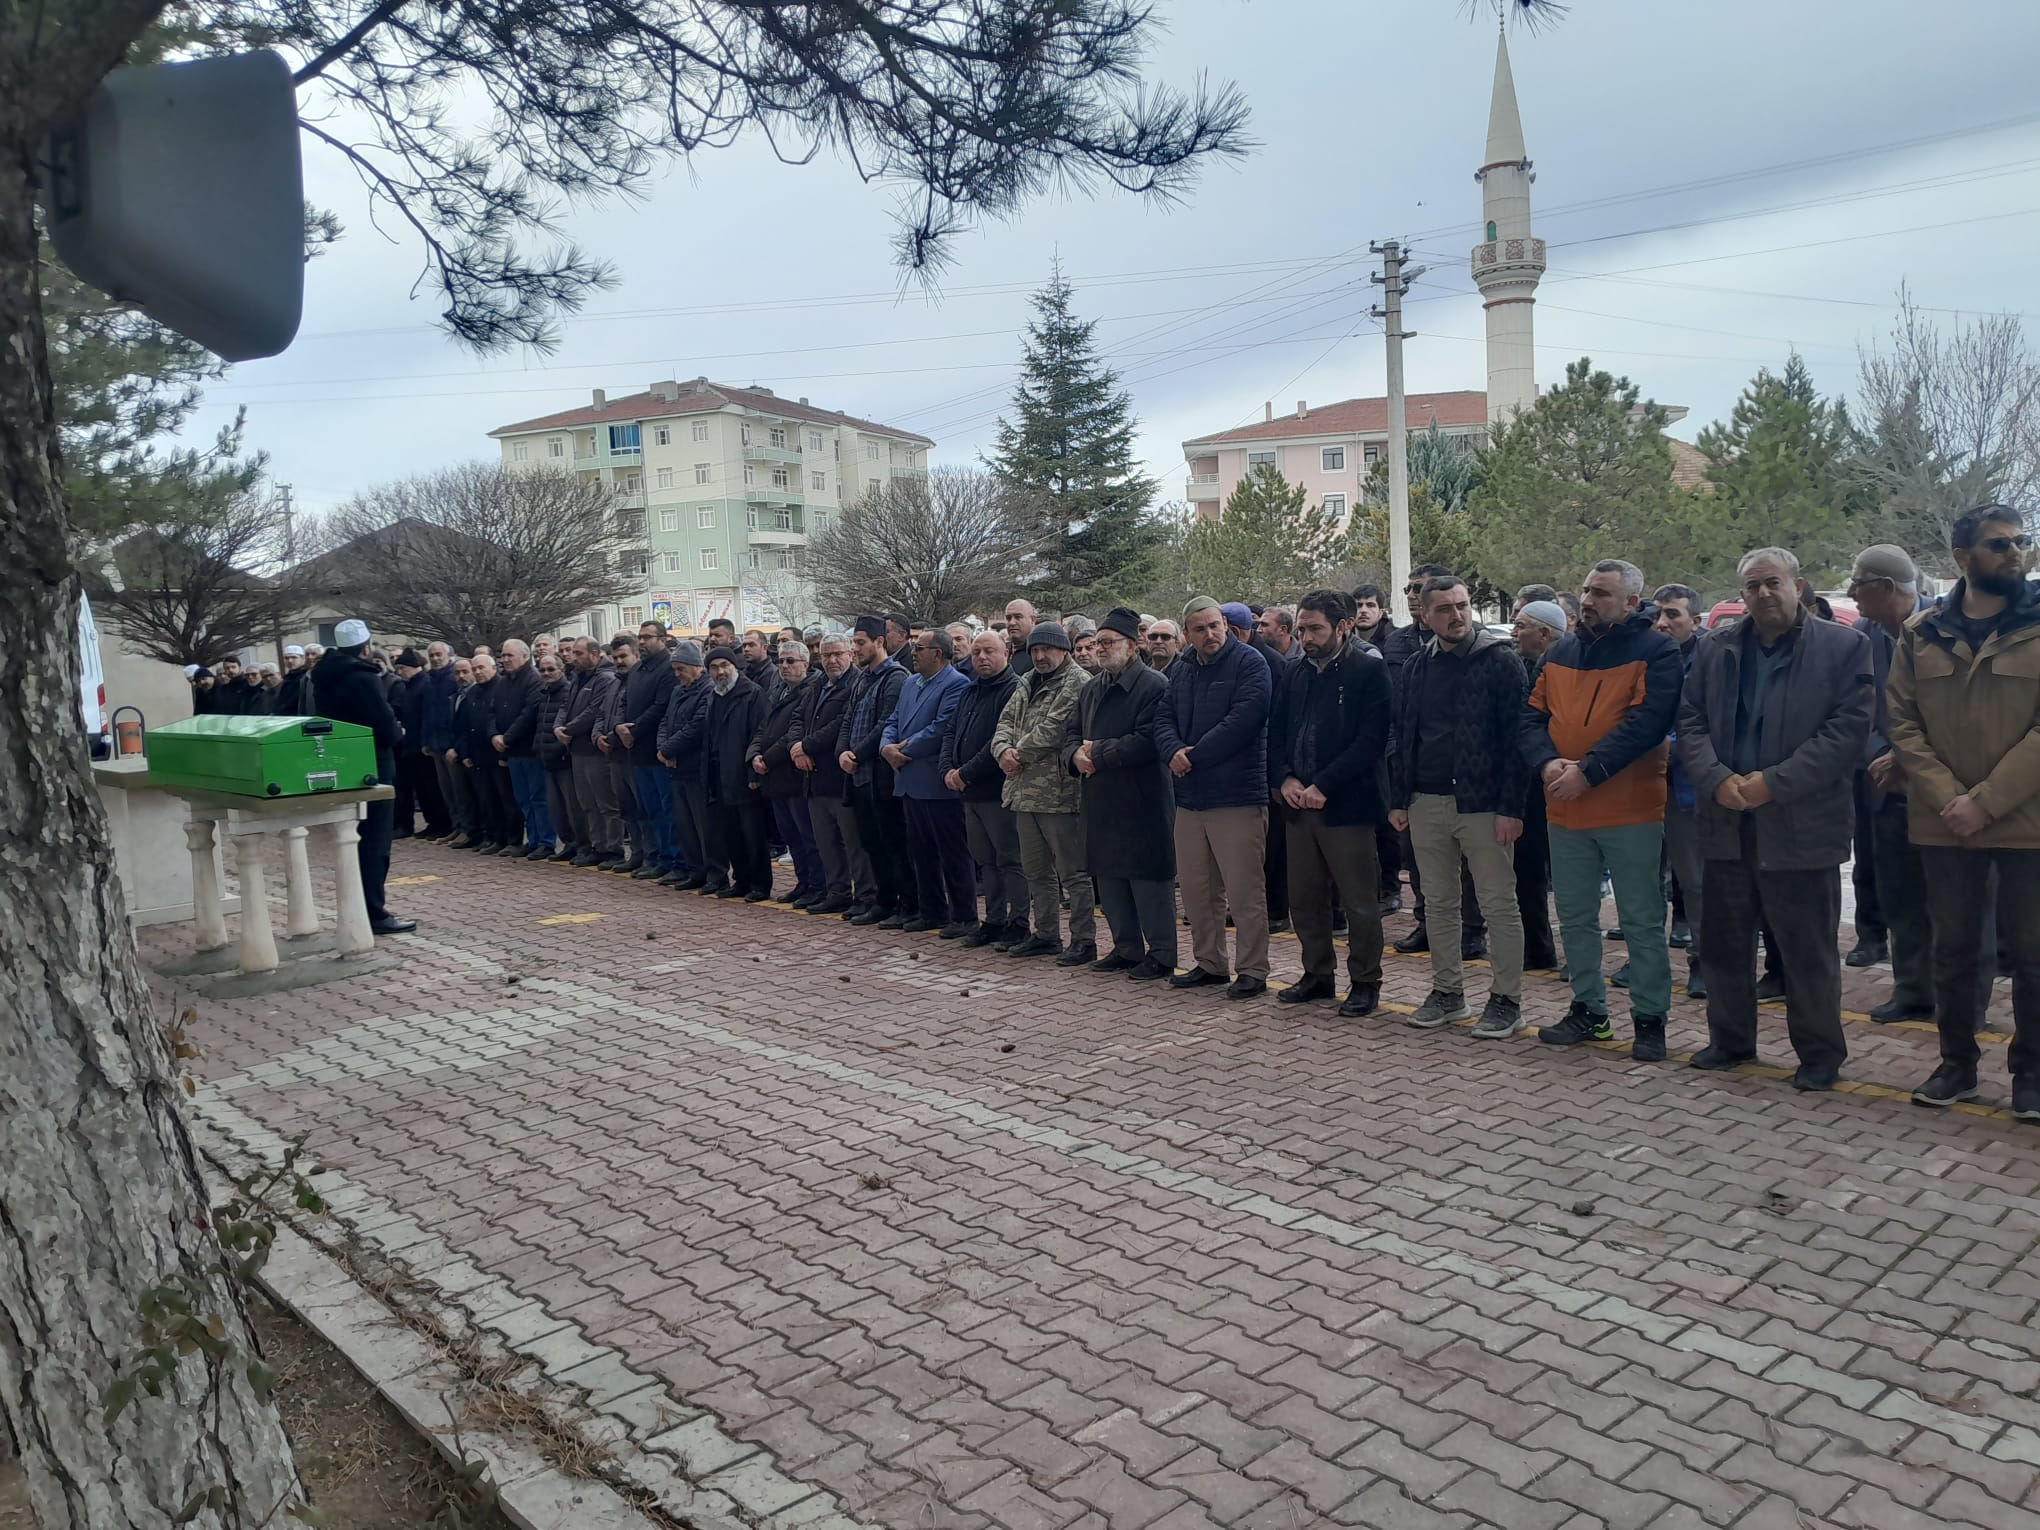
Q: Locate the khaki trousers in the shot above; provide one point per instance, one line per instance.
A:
(1221, 870)
(1441, 835)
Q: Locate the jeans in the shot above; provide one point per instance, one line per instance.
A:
(995, 846)
(1444, 839)
(527, 783)
(1328, 861)
(1142, 917)
(1630, 853)
(654, 788)
(790, 814)
(1052, 852)
(941, 860)
(1957, 889)
(1802, 910)
(690, 821)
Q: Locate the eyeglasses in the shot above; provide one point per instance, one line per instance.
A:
(2006, 544)
(793, 661)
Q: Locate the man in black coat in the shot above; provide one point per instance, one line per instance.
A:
(969, 769)
(678, 749)
(781, 782)
(639, 711)
(739, 857)
(1327, 736)
(590, 695)
(293, 697)
(408, 705)
(347, 687)
(846, 869)
(489, 771)
(562, 812)
(516, 742)
(1129, 836)
(881, 822)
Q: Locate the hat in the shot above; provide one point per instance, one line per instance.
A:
(1123, 620)
(1200, 603)
(1546, 613)
(409, 659)
(292, 651)
(1236, 614)
(870, 626)
(1049, 635)
(723, 652)
(191, 671)
(351, 633)
(685, 653)
(1884, 561)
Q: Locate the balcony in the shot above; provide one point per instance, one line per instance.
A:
(770, 494)
(629, 499)
(756, 453)
(900, 470)
(774, 536)
(1202, 488)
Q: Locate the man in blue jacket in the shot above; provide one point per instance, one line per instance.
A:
(912, 744)
(1213, 730)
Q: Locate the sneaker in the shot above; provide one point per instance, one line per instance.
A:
(1149, 971)
(1081, 955)
(1305, 989)
(1770, 986)
(1951, 1084)
(1197, 977)
(1035, 945)
(1245, 987)
(1579, 1026)
(1391, 903)
(1278, 926)
(1621, 977)
(1010, 935)
(1681, 936)
(1891, 1011)
(1647, 1044)
(1713, 1059)
(1441, 1008)
(1362, 999)
(1867, 953)
(2026, 1098)
(1499, 1020)
(1118, 961)
(1809, 1080)
(1416, 943)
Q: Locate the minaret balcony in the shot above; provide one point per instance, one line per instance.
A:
(1508, 260)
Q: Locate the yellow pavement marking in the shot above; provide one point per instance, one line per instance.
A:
(411, 881)
(571, 919)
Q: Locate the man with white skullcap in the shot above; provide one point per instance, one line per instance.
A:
(293, 697)
(348, 687)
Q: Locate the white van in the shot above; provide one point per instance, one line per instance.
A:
(92, 685)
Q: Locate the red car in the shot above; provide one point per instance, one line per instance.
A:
(1726, 613)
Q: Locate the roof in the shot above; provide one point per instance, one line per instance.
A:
(1689, 464)
(1359, 416)
(699, 397)
(1504, 123)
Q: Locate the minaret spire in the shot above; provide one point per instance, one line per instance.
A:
(1508, 263)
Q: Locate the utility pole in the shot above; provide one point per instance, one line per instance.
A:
(1394, 281)
(283, 496)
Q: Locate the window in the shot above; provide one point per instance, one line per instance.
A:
(555, 447)
(782, 518)
(642, 567)
(1260, 459)
(744, 434)
(663, 478)
(1332, 459)
(814, 440)
(663, 435)
(1491, 231)
(711, 560)
(818, 521)
(750, 473)
(701, 430)
(630, 523)
(1370, 455)
(777, 437)
(669, 520)
(751, 517)
(705, 517)
(520, 451)
(1335, 504)
(871, 451)
(818, 481)
(701, 472)
(671, 563)
(633, 616)
(751, 559)
(624, 438)
(630, 483)
(781, 479)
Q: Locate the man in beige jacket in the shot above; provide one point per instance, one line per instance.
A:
(1964, 697)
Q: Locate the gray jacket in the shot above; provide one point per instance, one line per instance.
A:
(1815, 724)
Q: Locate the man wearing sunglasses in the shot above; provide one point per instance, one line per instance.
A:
(1963, 699)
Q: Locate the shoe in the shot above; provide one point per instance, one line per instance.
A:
(516, 852)
(1118, 961)
(1713, 1059)
(1951, 1084)
(892, 922)
(390, 924)
(1647, 1040)
(1681, 936)
(1304, 990)
(983, 935)
(1010, 936)
(539, 853)
(959, 929)
(487, 847)
(1391, 903)
(1149, 971)
(1361, 1000)
(1614, 934)
(1867, 953)
(1035, 945)
(1278, 926)
(1080, 955)
(757, 897)
(1197, 977)
(1579, 1026)
(587, 858)
(1473, 949)
(2026, 1098)
(1891, 1011)
(1770, 986)
(1696, 984)
(673, 879)
(610, 863)
(460, 842)
(564, 856)
(1621, 977)
(831, 906)
(1501, 1019)
(1815, 1080)
(1416, 943)
(648, 873)
(917, 925)
(404, 834)
(868, 917)
(1244, 987)
(729, 894)
(1440, 1007)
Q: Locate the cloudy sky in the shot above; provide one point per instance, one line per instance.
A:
(1720, 181)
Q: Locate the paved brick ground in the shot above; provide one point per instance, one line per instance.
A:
(951, 1240)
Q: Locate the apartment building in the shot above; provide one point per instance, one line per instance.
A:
(727, 484)
(1330, 450)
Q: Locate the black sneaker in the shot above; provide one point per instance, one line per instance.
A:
(1416, 943)
(1951, 1084)
(1035, 945)
(1118, 961)
(1149, 971)
(1580, 1026)
(1440, 1007)
(587, 858)
(1648, 1043)
(2026, 1097)
(1244, 987)
(1809, 1080)
(1197, 977)
(1080, 955)
(1681, 936)
(959, 930)
(1010, 935)
(1362, 999)
(1621, 977)
(1473, 948)
(1867, 953)
(1306, 989)
(1713, 1059)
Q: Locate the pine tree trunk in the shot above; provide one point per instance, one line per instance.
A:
(100, 1194)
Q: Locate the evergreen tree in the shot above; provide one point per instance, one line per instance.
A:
(1584, 475)
(1069, 446)
(1913, 489)
(1266, 546)
(1779, 470)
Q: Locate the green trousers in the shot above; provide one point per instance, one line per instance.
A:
(1630, 853)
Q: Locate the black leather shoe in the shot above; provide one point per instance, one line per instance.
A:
(486, 847)
(1815, 1080)
(1244, 987)
(830, 906)
(1719, 1059)
(868, 917)
(983, 935)
(1361, 1001)
(1081, 955)
(917, 925)
(647, 873)
(1197, 977)
(1304, 990)
(757, 897)
(892, 921)
(587, 858)
(1415, 943)
(673, 879)
(727, 894)
(1891, 1011)
(1150, 971)
(1035, 945)
(1118, 961)
(1770, 987)
(1473, 950)
(958, 930)
(390, 924)
(1867, 953)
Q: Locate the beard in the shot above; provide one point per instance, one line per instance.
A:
(722, 683)
(2006, 585)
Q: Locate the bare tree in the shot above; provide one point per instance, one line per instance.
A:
(1948, 421)
(934, 548)
(196, 589)
(478, 553)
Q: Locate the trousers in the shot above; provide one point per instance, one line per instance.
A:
(1446, 838)
(790, 816)
(1958, 888)
(1141, 913)
(740, 845)
(459, 796)
(1630, 852)
(882, 827)
(1533, 886)
(1801, 911)
(595, 790)
(1052, 859)
(653, 786)
(564, 809)
(690, 820)
(845, 866)
(1327, 860)
(995, 847)
(372, 853)
(502, 823)
(1219, 866)
(940, 851)
(527, 785)
(1682, 849)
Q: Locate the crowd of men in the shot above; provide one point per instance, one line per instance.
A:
(1003, 787)
(233, 689)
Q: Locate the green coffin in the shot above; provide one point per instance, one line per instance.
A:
(262, 756)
